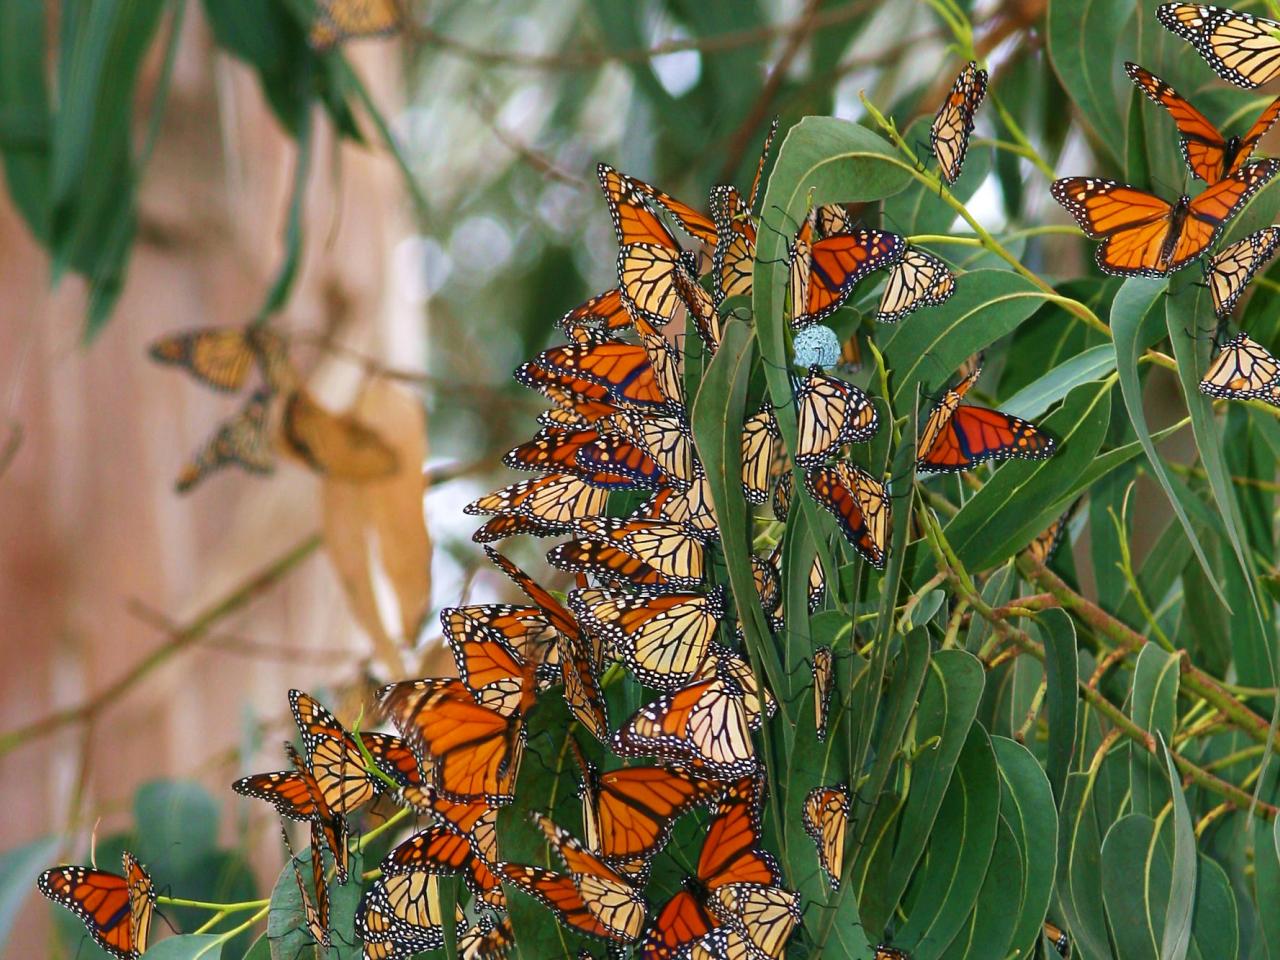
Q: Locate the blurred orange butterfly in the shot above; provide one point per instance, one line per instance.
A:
(1143, 235)
(116, 910)
(960, 436)
(1209, 156)
(241, 440)
(335, 445)
(340, 20)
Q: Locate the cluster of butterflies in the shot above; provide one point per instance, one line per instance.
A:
(225, 358)
(1145, 235)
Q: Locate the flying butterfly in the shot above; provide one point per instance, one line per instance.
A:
(951, 127)
(826, 814)
(1144, 235)
(242, 440)
(1229, 270)
(830, 413)
(341, 20)
(222, 357)
(116, 910)
(471, 751)
(335, 445)
(918, 280)
(860, 504)
(1241, 48)
(1243, 370)
(824, 272)
(959, 436)
(1209, 155)
(662, 639)
(823, 685)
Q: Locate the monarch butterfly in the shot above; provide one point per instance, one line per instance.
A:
(626, 371)
(242, 440)
(690, 507)
(826, 814)
(1058, 937)
(116, 910)
(823, 684)
(781, 504)
(315, 912)
(473, 819)
(487, 665)
(559, 893)
(665, 438)
(649, 256)
(557, 615)
(735, 257)
(340, 20)
(612, 898)
(334, 758)
(1209, 156)
(1244, 369)
(222, 357)
(403, 910)
(581, 687)
(860, 504)
(1045, 545)
(555, 449)
(701, 307)
(1143, 235)
(570, 410)
(949, 132)
(331, 825)
(761, 915)
(488, 939)
(604, 309)
(761, 454)
(824, 272)
(1229, 270)
(1241, 48)
(335, 445)
(472, 751)
(526, 630)
(665, 547)
(703, 725)
(628, 814)
(829, 414)
(730, 854)
(551, 503)
(733, 665)
(283, 789)
(918, 280)
(662, 639)
(577, 400)
(442, 849)
(959, 436)
(766, 574)
(886, 952)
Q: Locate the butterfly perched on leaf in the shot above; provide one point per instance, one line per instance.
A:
(341, 20)
(830, 413)
(959, 436)
(335, 445)
(1229, 271)
(242, 440)
(1243, 370)
(315, 911)
(1209, 155)
(1241, 48)
(115, 909)
(401, 915)
(823, 272)
(1058, 937)
(918, 280)
(951, 127)
(825, 816)
(823, 685)
(860, 504)
(1145, 235)
(663, 639)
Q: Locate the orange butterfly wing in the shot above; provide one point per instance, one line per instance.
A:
(838, 262)
(976, 434)
(1202, 145)
(100, 900)
(560, 894)
(284, 789)
(442, 850)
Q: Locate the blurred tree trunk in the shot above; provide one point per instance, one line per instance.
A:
(88, 518)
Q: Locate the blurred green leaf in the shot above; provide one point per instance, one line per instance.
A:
(188, 946)
(19, 868)
(180, 818)
(25, 120)
(1082, 42)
